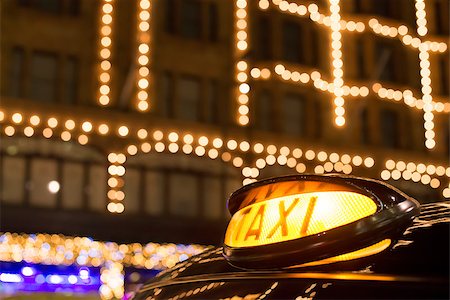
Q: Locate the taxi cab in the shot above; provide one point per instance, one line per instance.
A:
(319, 237)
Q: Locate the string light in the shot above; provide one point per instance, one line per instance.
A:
(143, 56)
(337, 87)
(242, 69)
(110, 257)
(106, 21)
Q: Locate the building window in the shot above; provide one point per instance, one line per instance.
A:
(384, 61)
(263, 35)
(365, 126)
(383, 8)
(189, 98)
(293, 119)
(318, 114)
(389, 122)
(443, 70)
(43, 77)
(43, 171)
(213, 22)
(16, 71)
(71, 81)
(191, 19)
(171, 16)
(263, 112)
(167, 95)
(360, 64)
(292, 42)
(212, 103)
(441, 14)
(72, 185)
(13, 179)
(184, 195)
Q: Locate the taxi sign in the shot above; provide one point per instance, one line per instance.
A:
(295, 216)
(310, 220)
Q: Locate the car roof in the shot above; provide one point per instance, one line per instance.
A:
(421, 254)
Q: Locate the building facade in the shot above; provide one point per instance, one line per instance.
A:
(134, 120)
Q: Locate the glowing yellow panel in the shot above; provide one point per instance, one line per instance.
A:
(371, 250)
(295, 216)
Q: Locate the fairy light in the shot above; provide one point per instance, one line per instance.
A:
(106, 21)
(336, 24)
(425, 73)
(142, 56)
(242, 69)
(337, 63)
(110, 257)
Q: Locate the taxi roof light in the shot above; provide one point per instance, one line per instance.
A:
(308, 220)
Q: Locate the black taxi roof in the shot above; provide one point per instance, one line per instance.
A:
(415, 267)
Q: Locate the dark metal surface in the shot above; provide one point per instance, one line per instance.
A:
(416, 267)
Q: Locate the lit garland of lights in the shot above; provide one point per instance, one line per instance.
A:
(242, 68)
(143, 40)
(116, 170)
(229, 150)
(337, 87)
(337, 63)
(105, 51)
(82, 251)
(417, 172)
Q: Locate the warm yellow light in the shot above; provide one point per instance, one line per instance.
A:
(86, 126)
(371, 250)
(35, 120)
(103, 129)
(123, 130)
(295, 216)
(17, 118)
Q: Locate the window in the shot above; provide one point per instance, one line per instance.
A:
(263, 112)
(318, 124)
(264, 38)
(70, 7)
(365, 127)
(213, 22)
(293, 118)
(154, 192)
(16, 71)
(191, 19)
(167, 95)
(189, 98)
(292, 43)
(184, 195)
(390, 128)
(384, 62)
(383, 8)
(13, 179)
(441, 14)
(43, 77)
(212, 189)
(443, 70)
(212, 103)
(72, 185)
(360, 64)
(43, 171)
(132, 189)
(170, 16)
(50, 6)
(97, 188)
(71, 81)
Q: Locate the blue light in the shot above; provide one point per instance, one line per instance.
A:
(54, 279)
(84, 273)
(10, 277)
(27, 271)
(72, 279)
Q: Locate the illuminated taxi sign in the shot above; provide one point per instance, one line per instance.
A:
(311, 220)
(295, 216)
